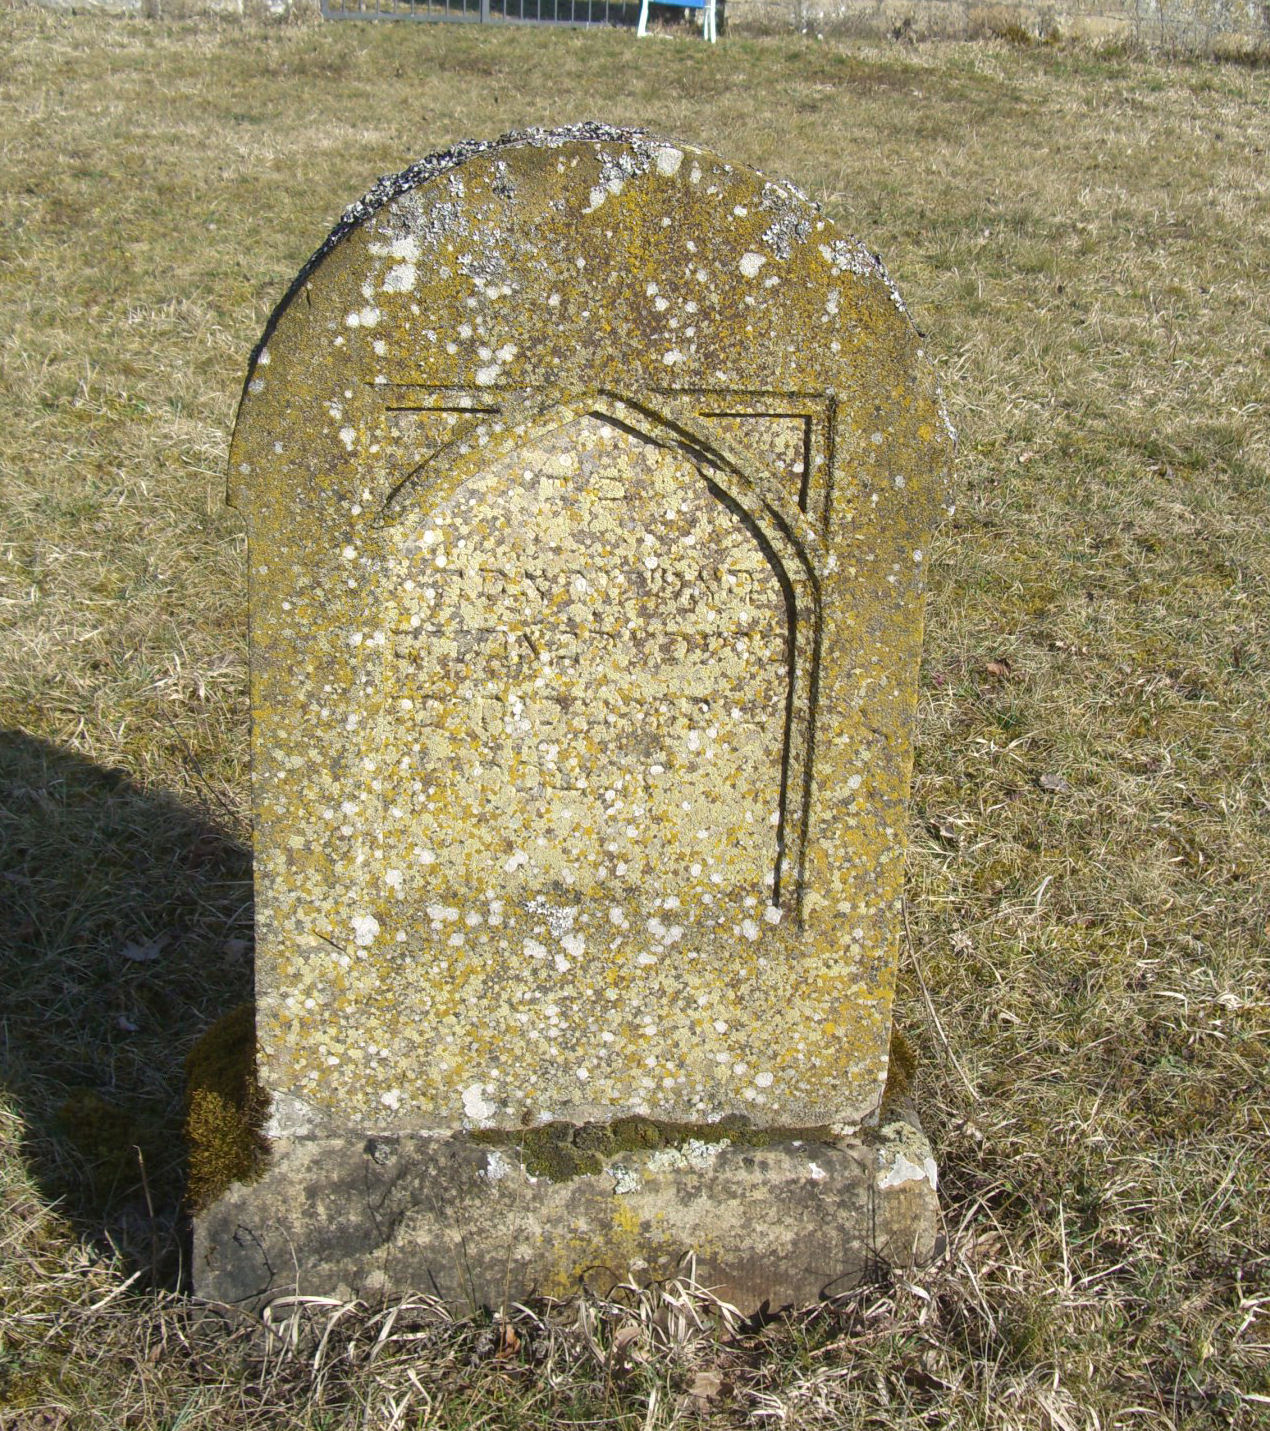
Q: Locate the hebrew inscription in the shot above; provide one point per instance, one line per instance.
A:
(587, 680)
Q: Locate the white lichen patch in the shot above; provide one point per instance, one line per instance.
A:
(904, 1156)
(625, 1180)
(693, 1155)
(400, 279)
(477, 1108)
(365, 928)
(291, 1117)
(899, 1169)
(497, 1166)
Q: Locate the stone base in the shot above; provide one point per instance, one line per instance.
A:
(782, 1223)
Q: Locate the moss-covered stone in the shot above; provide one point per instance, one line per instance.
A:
(225, 1108)
(560, 1151)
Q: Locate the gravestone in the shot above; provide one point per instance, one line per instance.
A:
(588, 481)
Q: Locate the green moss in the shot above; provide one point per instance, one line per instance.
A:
(225, 1108)
(901, 1066)
(112, 1141)
(22, 1389)
(560, 1151)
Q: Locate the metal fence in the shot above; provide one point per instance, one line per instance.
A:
(498, 12)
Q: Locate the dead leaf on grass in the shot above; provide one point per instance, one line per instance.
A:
(999, 668)
(145, 953)
(970, 1130)
(706, 1385)
(625, 1352)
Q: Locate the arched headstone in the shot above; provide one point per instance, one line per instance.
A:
(588, 480)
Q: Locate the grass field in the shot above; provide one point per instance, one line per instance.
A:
(1086, 241)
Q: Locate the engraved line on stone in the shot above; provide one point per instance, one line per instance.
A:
(806, 419)
(770, 402)
(804, 490)
(481, 393)
(734, 398)
(788, 832)
(832, 418)
(472, 411)
(454, 451)
(804, 694)
(459, 432)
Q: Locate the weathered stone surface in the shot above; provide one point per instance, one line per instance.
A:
(588, 479)
(784, 1221)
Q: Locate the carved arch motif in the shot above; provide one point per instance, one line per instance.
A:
(490, 424)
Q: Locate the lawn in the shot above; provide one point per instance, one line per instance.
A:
(1084, 239)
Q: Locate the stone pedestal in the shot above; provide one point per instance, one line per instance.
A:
(771, 1220)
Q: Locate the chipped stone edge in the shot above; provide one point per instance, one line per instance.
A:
(850, 252)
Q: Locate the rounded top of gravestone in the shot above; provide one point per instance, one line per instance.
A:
(588, 259)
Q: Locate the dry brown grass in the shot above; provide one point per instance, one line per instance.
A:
(1087, 239)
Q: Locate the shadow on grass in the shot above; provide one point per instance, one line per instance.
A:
(125, 930)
